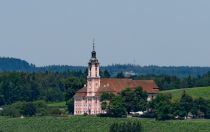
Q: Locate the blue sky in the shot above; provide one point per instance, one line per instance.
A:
(151, 32)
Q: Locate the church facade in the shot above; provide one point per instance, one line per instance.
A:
(87, 99)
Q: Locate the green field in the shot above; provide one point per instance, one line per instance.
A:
(194, 92)
(95, 124)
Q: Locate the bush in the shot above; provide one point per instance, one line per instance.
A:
(70, 105)
(29, 109)
(41, 107)
(103, 115)
(55, 111)
(25, 109)
(129, 126)
(11, 111)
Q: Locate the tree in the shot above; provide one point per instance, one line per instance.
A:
(106, 74)
(11, 111)
(104, 106)
(70, 106)
(41, 108)
(71, 85)
(2, 101)
(199, 107)
(106, 96)
(117, 108)
(140, 99)
(207, 114)
(128, 97)
(29, 109)
(162, 107)
(120, 75)
(105, 100)
(186, 103)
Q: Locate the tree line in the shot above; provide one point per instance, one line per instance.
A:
(164, 108)
(166, 82)
(161, 108)
(18, 65)
(51, 87)
(55, 86)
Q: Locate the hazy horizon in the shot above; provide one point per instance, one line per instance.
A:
(163, 33)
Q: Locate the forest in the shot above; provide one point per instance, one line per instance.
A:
(18, 65)
(56, 87)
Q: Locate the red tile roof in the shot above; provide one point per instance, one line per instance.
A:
(115, 86)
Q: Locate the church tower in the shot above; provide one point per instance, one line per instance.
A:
(93, 78)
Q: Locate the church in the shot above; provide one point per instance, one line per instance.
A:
(87, 99)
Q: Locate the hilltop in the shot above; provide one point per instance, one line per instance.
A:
(18, 65)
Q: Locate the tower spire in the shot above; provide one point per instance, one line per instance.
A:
(93, 52)
(93, 44)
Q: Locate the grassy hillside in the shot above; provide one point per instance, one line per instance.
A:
(94, 124)
(194, 92)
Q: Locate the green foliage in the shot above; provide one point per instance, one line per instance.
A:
(127, 101)
(18, 87)
(129, 126)
(106, 96)
(47, 86)
(2, 101)
(166, 82)
(29, 109)
(104, 105)
(105, 74)
(200, 108)
(134, 100)
(41, 108)
(105, 100)
(120, 75)
(57, 104)
(55, 112)
(70, 105)
(186, 103)
(162, 106)
(140, 99)
(71, 86)
(26, 109)
(11, 111)
(165, 108)
(117, 108)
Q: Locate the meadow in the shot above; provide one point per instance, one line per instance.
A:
(203, 92)
(95, 124)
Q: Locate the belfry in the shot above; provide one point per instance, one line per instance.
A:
(87, 99)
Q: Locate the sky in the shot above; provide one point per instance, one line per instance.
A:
(143, 32)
